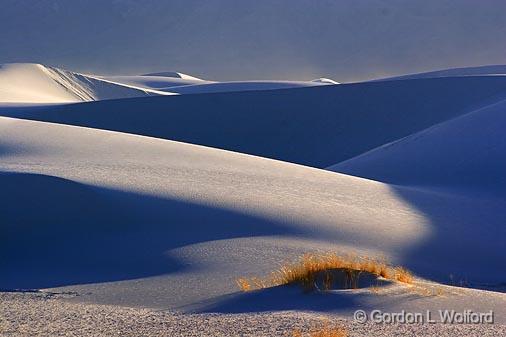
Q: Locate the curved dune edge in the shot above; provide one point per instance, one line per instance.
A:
(185, 219)
(36, 83)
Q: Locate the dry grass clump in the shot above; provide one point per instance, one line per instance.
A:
(311, 266)
(325, 331)
(403, 275)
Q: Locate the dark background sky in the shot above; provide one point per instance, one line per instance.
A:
(346, 40)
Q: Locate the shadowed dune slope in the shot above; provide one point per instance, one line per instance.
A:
(317, 126)
(464, 154)
(467, 71)
(80, 205)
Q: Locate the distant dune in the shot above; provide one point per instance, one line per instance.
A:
(36, 83)
(468, 71)
(316, 126)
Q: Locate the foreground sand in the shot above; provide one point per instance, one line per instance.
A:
(50, 314)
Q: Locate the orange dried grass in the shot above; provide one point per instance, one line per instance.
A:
(305, 270)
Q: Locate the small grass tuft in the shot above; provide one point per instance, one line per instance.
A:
(311, 267)
(325, 331)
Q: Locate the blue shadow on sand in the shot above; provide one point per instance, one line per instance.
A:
(281, 298)
(56, 232)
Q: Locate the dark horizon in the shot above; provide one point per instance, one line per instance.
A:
(225, 40)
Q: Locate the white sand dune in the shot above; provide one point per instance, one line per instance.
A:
(465, 154)
(172, 225)
(36, 83)
(497, 70)
(317, 126)
(190, 85)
